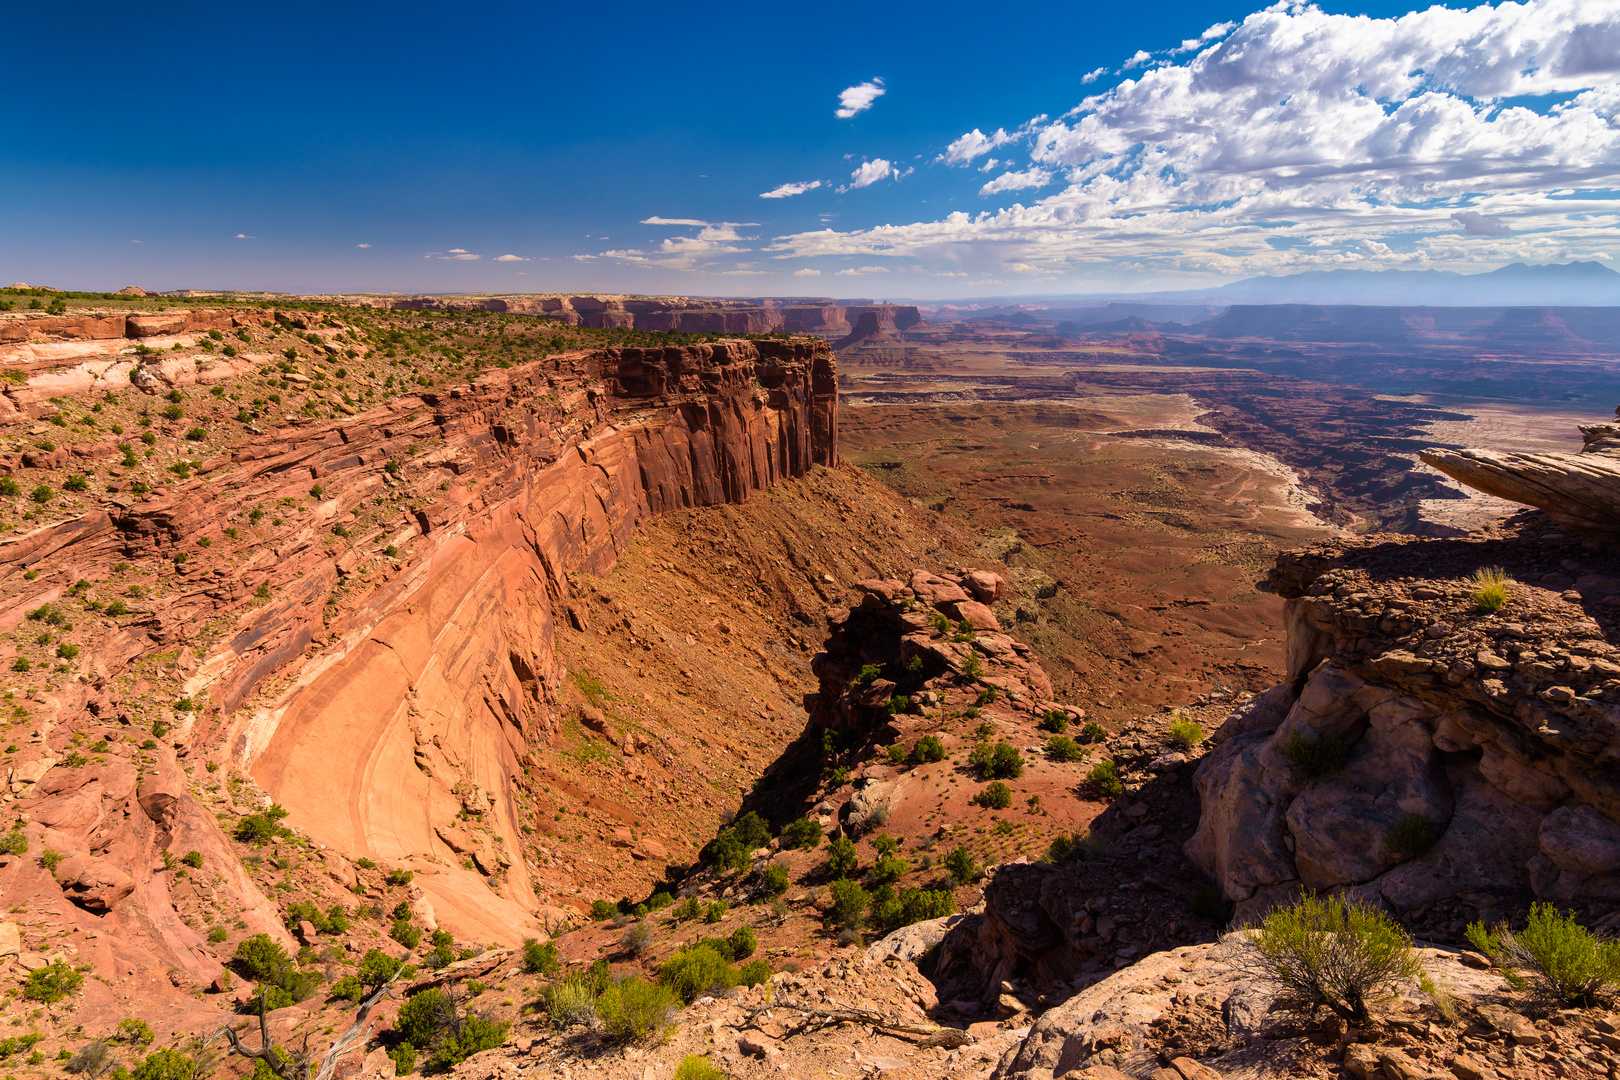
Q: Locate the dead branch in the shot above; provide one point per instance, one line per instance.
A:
(299, 1069)
(932, 1034)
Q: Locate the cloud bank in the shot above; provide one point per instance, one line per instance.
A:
(1301, 139)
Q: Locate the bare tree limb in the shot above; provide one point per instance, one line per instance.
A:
(289, 1069)
(933, 1034)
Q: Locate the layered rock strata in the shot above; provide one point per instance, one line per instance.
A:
(1425, 750)
(389, 689)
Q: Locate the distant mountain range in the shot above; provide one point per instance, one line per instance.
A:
(1572, 284)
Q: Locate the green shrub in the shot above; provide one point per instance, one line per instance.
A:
(1324, 755)
(637, 937)
(1104, 780)
(889, 911)
(50, 859)
(849, 903)
(697, 970)
(193, 859)
(743, 943)
(717, 910)
(540, 958)
(842, 858)
(1326, 951)
(1573, 964)
(264, 961)
(994, 796)
(802, 835)
(403, 1056)
(775, 879)
(42, 494)
(256, 829)
(405, 933)
(754, 973)
(962, 865)
(697, 1067)
(895, 754)
(1412, 836)
(423, 1016)
(928, 749)
(603, 909)
(217, 934)
(1000, 761)
(52, 983)
(1185, 734)
(571, 1001)
(135, 1030)
(1087, 846)
(376, 968)
(165, 1064)
(1055, 721)
(890, 869)
(1092, 733)
(1063, 748)
(472, 1034)
(1491, 588)
(634, 1010)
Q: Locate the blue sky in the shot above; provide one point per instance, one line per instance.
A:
(410, 147)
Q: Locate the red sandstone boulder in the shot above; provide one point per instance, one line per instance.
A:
(984, 585)
(97, 885)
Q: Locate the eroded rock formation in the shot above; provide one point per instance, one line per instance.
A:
(1425, 750)
(1579, 491)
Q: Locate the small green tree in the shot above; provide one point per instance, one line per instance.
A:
(842, 858)
(962, 865)
(994, 796)
(849, 903)
(803, 835)
(540, 958)
(52, 983)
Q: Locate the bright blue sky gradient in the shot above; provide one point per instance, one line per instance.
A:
(542, 131)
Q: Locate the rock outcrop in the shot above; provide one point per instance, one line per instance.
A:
(1426, 752)
(1579, 491)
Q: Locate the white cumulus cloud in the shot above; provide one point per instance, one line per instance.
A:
(870, 172)
(1017, 181)
(862, 271)
(788, 190)
(1308, 140)
(362, 245)
(511, 258)
(858, 98)
(1093, 75)
(807, 272)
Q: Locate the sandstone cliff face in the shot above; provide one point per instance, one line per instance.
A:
(391, 700)
(1496, 734)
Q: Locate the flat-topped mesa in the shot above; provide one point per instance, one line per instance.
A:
(1579, 491)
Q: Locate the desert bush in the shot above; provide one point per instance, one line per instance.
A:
(743, 943)
(398, 878)
(849, 902)
(1063, 748)
(570, 1001)
(1412, 836)
(962, 866)
(404, 932)
(1055, 721)
(1185, 734)
(1104, 780)
(539, 958)
(1324, 755)
(165, 1064)
(1093, 732)
(754, 972)
(697, 1067)
(1001, 761)
(94, 1058)
(1491, 588)
(697, 970)
(803, 835)
(774, 879)
(603, 909)
(889, 869)
(193, 859)
(1083, 847)
(135, 1030)
(842, 858)
(1327, 951)
(52, 983)
(634, 1010)
(1573, 964)
(928, 749)
(994, 796)
(636, 937)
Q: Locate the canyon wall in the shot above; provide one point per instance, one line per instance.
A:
(676, 314)
(389, 683)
